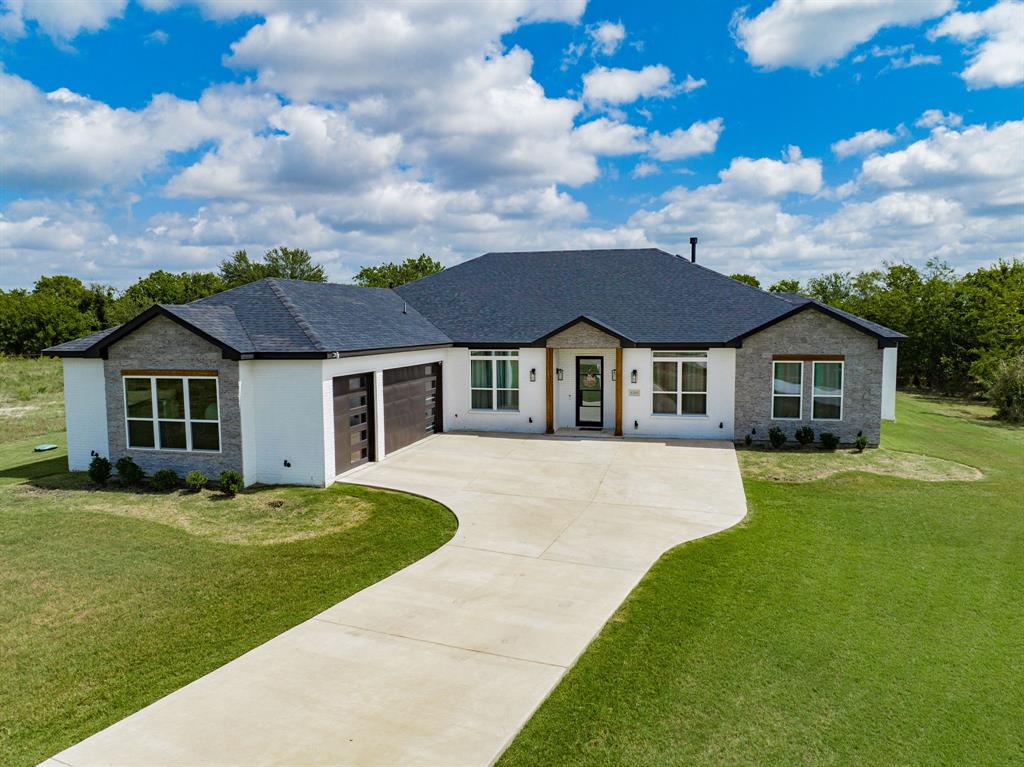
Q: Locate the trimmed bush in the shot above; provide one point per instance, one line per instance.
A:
(804, 435)
(164, 480)
(230, 482)
(829, 441)
(195, 481)
(860, 443)
(129, 471)
(776, 436)
(99, 470)
(1007, 390)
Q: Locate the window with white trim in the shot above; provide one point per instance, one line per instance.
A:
(494, 379)
(827, 404)
(680, 383)
(787, 390)
(172, 413)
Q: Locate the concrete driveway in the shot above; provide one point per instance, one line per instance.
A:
(443, 662)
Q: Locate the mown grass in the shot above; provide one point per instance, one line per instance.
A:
(110, 599)
(31, 397)
(861, 619)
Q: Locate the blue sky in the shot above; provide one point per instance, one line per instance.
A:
(792, 137)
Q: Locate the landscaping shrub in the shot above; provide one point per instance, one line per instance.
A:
(164, 480)
(129, 471)
(230, 482)
(1007, 390)
(829, 441)
(195, 481)
(99, 470)
(776, 436)
(860, 443)
(804, 435)
(748, 440)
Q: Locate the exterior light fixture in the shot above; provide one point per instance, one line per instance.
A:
(614, 372)
(632, 377)
(558, 372)
(533, 374)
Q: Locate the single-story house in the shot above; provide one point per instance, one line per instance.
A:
(299, 382)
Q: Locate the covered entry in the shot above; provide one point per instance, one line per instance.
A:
(412, 404)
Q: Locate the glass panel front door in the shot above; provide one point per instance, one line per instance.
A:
(589, 391)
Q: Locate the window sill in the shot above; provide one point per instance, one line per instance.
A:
(494, 411)
(175, 450)
(680, 415)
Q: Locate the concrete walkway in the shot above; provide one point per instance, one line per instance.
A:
(443, 662)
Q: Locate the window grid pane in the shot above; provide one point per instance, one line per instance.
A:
(183, 414)
(785, 407)
(788, 378)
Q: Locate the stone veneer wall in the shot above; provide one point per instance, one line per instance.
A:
(162, 344)
(810, 332)
(582, 336)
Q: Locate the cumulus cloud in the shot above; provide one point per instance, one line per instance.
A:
(997, 59)
(699, 138)
(604, 86)
(645, 169)
(606, 37)
(774, 178)
(61, 21)
(810, 35)
(932, 118)
(610, 137)
(865, 142)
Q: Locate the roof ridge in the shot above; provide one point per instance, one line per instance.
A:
(296, 315)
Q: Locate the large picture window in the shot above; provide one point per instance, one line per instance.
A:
(172, 412)
(494, 380)
(828, 391)
(680, 383)
(787, 390)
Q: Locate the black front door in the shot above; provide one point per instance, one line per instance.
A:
(589, 392)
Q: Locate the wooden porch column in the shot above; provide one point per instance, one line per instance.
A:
(549, 377)
(618, 391)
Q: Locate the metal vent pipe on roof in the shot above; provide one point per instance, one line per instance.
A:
(693, 250)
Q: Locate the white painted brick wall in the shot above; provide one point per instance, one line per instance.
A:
(85, 404)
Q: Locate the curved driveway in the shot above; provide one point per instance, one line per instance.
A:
(444, 661)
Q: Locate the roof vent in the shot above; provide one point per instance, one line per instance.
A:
(693, 250)
(405, 307)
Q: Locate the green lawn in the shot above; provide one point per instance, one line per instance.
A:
(860, 619)
(31, 397)
(110, 599)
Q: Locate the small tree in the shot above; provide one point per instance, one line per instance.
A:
(785, 286)
(749, 279)
(286, 263)
(1007, 390)
(392, 275)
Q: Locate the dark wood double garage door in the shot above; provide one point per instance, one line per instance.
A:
(412, 411)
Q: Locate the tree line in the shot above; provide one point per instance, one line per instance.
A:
(961, 328)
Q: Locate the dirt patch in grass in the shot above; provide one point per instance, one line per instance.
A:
(263, 516)
(810, 464)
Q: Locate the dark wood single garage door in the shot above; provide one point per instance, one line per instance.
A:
(353, 421)
(412, 404)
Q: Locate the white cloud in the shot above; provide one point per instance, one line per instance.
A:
(699, 138)
(645, 169)
(604, 86)
(810, 34)
(607, 36)
(63, 140)
(998, 58)
(774, 178)
(610, 137)
(60, 20)
(914, 60)
(932, 118)
(156, 37)
(864, 142)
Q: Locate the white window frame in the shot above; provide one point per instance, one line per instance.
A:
(187, 420)
(842, 388)
(668, 355)
(488, 355)
(787, 396)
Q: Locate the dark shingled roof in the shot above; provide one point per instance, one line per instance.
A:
(647, 295)
(644, 296)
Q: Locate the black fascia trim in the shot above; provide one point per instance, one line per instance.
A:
(99, 349)
(826, 310)
(342, 354)
(624, 340)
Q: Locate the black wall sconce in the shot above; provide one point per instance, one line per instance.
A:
(287, 463)
(614, 372)
(632, 377)
(533, 374)
(636, 425)
(558, 372)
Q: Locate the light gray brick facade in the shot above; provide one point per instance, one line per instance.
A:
(582, 336)
(162, 344)
(810, 333)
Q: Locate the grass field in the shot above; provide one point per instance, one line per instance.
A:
(110, 599)
(856, 620)
(31, 397)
